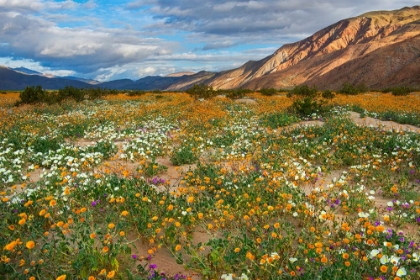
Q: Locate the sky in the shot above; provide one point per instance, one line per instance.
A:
(108, 40)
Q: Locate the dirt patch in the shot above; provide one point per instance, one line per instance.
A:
(388, 125)
(247, 101)
(164, 260)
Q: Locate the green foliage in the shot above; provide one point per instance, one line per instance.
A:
(303, 91)
(306, 101)
(234, 93)
(307, 106)
(276, 120)
(350, 89)
(201, 91)
(328, 94)
(268, 91)
(135, 92)
(70, 92)
(399, 91)
(185, 155)
(33, 95)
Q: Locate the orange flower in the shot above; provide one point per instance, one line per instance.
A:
(237, 250)
(105, 249)
(124, 213)
(30, 244)
(324, 259)
(52, 204)
(61, 277)
(384, 268)
(111, 225)
(177, 247)
(110, 274)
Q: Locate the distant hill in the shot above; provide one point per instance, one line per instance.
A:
(13, 80)
(27, 71)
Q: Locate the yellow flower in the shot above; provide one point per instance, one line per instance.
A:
(111, 225)
(122, 233)
(177, 247)
(30, 244)
(237, 250)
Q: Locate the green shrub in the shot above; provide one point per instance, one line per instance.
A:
(268, 91)
(71, 92)
(401, 91)
(201, 91)
(303, 91)
(31, 95)
(328, 94)
(307, 106)
(350, 89)
(276, 120)
(235, 93)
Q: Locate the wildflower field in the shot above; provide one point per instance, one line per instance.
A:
(162, 186)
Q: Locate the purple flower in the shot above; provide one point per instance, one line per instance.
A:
(134, 256)
(152, 266)
(94, 203)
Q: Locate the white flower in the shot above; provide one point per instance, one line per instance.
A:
(292, 260)
(401, 272)
(244, 277)
(295, 214)
(384, 259)
(395, 260)
(227, 276)
(363, 215)
(415, 257)
(373, 253)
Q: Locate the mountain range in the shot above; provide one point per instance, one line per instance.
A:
(377, 49)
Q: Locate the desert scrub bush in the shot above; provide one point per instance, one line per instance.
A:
(350, 89)
(268, 91)
(31, 95)
(328, 94)
(70, 92)
(400, 91)
(234, 93)
(307, 101)
(201, 91)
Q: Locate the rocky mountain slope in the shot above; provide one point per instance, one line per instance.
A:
(377, 48)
